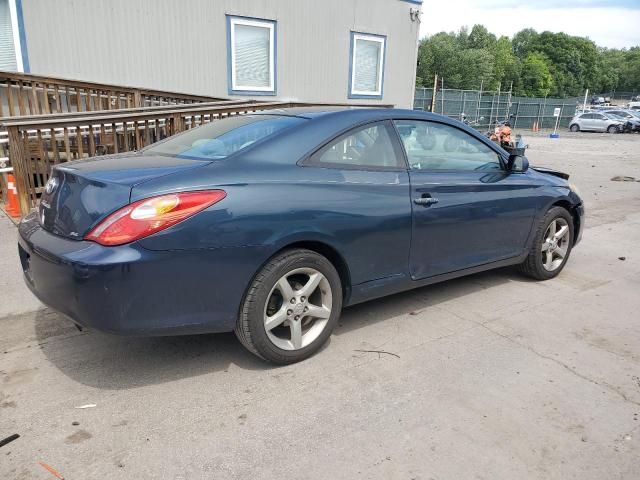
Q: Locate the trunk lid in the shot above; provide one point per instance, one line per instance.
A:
(80, 194)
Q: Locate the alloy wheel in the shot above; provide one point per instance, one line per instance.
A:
(298, 308)
(556, 244)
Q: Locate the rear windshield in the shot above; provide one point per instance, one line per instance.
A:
(221, 138)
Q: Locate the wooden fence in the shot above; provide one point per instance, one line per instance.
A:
(24, 94)
(37, 143)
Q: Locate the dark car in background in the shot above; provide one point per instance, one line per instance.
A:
(269, 224)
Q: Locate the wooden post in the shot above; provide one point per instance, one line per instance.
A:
(20, 168)
(177, 123)
(137, 99)
(433, 94)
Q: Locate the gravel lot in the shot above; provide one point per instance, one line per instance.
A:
(496, 377)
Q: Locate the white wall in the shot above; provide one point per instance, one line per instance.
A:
(182, 45)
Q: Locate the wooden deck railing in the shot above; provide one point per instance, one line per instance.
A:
(24, 94)
(37, 143)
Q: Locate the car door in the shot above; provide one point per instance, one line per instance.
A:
(466, 209)
(586, 121)
(600, 122)
(359, 194)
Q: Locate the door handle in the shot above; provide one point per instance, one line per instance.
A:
(424, 200)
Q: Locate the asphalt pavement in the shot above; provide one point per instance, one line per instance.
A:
(492, 376)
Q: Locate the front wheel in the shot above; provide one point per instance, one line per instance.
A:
(574, 128)
(613, 129)
(551, 245)
(291, 307)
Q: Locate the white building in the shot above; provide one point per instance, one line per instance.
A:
(299, 50)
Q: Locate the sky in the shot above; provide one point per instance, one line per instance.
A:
(613, 24)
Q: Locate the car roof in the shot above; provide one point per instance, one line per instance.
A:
(303, 112)
(324, 123)
(354, 112)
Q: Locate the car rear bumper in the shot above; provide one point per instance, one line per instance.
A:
(130, 290)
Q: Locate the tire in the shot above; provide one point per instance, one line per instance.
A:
(574, 128)
(536, 265)
(613, 129)
(266, 302)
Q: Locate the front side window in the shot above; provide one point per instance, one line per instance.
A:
(221, 138)
(435, 146)
(367, 65)
(251, 56)
(368, 147)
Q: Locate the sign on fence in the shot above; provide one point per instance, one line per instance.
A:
(556, 112)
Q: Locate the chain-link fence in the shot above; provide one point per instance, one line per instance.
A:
(483, 109)
(616, 96)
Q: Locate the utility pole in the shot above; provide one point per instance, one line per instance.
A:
(584, 104)
(442, 95)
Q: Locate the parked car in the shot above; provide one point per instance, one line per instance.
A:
(268, 224)
(632, 122)
(596, 122)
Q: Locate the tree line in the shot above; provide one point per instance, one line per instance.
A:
(536, 64)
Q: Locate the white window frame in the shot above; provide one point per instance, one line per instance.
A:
(381, 59)
(233, 21)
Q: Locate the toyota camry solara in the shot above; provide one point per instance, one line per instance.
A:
(268, 224)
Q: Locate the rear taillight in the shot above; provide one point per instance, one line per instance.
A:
(146, 217)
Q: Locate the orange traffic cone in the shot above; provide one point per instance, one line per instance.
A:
(13, 205)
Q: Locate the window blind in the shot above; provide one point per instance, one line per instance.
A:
(367, 65)
(252, 62)
(7, 49)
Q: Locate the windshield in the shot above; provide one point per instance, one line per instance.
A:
(221, 138)
(620, 114)
(611, 116)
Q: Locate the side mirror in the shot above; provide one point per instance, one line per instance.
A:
(517, 163)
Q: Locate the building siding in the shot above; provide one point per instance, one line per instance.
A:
(182, 45)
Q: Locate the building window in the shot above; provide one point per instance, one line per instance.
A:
(366, 72)
(13, 44)
(251, 56)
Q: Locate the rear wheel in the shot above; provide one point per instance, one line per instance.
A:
(574, 128)
(551, 246)
(613, 129)
(291, 307)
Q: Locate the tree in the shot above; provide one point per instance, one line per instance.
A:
(546, 63)
(630, 71)
(523, 42)
(506, 65)
(450, 56)
(481, 38)
(535, 79)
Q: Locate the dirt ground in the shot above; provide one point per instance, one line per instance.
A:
(493, 376)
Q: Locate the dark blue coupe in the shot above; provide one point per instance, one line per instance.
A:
(268, 224)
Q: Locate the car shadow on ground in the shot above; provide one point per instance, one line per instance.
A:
(116, 363)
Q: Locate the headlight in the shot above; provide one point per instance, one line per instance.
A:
(574, 189)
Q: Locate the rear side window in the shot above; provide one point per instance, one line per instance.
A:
(367, 147)
(221, 138)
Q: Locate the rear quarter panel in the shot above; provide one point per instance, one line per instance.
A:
(364, 215)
